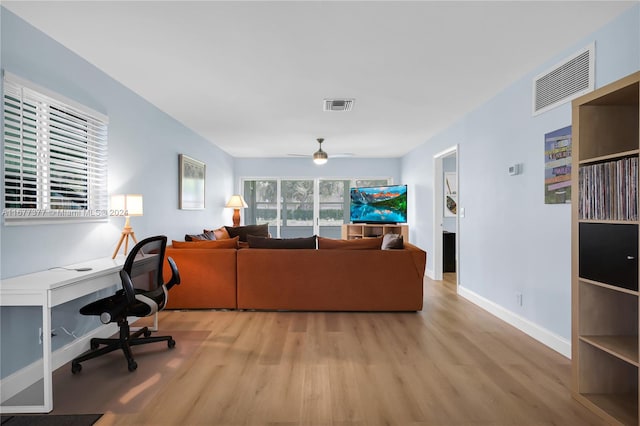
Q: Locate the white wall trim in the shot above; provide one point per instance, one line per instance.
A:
(438, 209)
(429, 273)
(548, 338)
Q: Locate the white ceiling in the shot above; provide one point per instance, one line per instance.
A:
(251, 76)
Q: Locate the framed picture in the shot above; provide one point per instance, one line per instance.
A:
(557, 166)
(450, 195)
(192, 173)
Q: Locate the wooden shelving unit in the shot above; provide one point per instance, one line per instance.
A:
(605, 298)
(352, 231)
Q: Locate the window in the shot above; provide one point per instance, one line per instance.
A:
(301, 207)
(55, 157)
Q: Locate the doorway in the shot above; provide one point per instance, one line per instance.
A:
(446, 213)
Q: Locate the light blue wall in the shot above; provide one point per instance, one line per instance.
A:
(510, 241)
(144, 144)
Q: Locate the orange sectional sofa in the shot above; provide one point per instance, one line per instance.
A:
(331, 280)
(336, 279)
(208, 278)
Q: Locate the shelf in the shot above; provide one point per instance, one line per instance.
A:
(353, 231)
(607, 383)
(609, 221)
(605, 298)
(622, 408)
(609, 157)
(610, 287)
(603, 312)
(623, 347)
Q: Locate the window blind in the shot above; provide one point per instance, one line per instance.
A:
(55, 156)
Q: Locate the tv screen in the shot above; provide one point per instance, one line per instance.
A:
(379, 204)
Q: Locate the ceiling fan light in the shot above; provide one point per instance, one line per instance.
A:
(320, 157)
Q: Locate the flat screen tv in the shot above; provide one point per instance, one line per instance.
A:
(379, 204)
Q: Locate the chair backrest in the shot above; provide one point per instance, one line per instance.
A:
(144, 266)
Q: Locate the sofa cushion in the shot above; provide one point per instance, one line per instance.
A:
(281, 243)
(392, 241)
(359, 244)
(212, 244)
(206, 235)
(243, 231)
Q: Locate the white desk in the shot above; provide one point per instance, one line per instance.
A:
(47, 289)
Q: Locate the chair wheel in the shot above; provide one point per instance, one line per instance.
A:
(171, 343)
(76, 367)
(132, 365)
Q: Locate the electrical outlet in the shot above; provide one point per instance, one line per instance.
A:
(519, 298)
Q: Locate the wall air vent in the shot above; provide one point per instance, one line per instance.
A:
(571, 78)
(338, 104)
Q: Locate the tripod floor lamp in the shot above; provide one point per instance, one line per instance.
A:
(126, 205)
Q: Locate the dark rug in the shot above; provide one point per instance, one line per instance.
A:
(50, 420)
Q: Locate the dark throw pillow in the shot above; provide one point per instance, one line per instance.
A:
(281, 243)
(358, 244)
(243, 231)
(206, 235)
(392, 241)
(229, 243)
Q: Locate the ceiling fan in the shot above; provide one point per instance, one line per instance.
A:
(320, 156)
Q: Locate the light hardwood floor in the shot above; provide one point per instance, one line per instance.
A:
(451, 364)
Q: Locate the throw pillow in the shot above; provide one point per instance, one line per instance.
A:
(219, 234)
(359, 244)
(206, 235)
(243, 231)
(281, 243)
(392, 241)
(213, 244)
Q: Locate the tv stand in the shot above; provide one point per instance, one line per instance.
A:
(353, 231)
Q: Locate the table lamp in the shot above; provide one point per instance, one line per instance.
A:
(126, 205)
(236, 203)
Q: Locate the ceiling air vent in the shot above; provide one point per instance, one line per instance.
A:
(566, 81)
(338, 104)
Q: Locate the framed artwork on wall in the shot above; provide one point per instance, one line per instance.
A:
(450, 195)
(191, 183)
(557, 166)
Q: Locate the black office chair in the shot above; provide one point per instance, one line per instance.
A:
(143, 293)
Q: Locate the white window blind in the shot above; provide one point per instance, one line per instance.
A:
(55, 156)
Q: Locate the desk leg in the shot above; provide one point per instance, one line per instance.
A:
(46, 358)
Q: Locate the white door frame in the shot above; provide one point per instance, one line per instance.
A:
(438, 210)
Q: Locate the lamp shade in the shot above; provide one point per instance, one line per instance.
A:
(236, 202)
(126, 205)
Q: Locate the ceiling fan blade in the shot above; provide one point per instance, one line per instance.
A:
(320, 151)
(340, 155)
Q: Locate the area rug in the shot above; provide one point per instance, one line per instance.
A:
(50, 420)
(106, 385)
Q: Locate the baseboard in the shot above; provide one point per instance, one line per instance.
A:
(544, 336)
(27, 376)
(430, 274)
